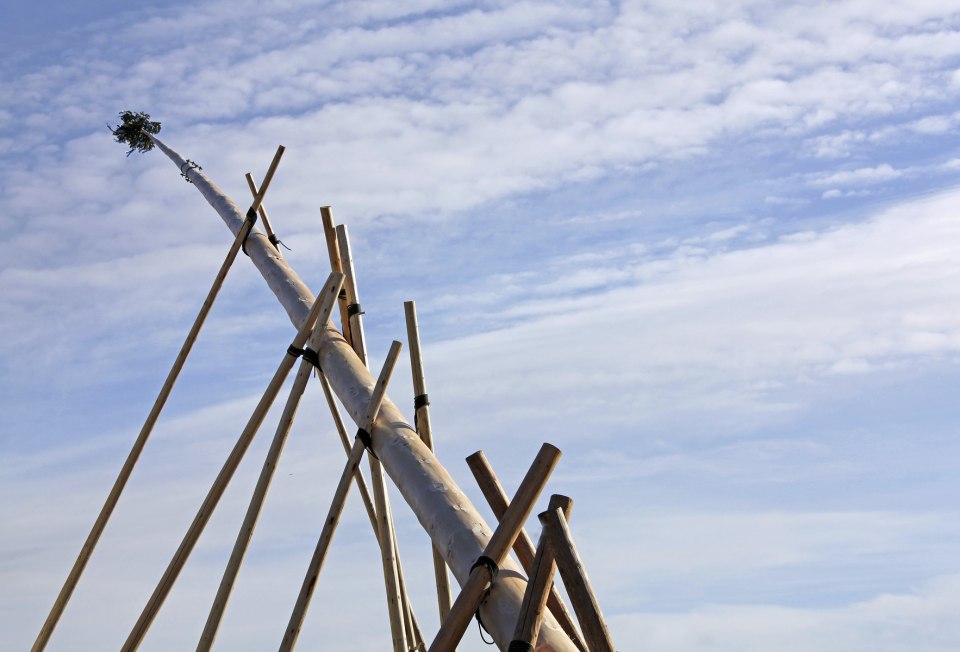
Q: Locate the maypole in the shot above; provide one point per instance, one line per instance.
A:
(457, 530)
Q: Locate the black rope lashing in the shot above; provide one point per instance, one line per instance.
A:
(367, 440)
(190, 165)
(274, 240)
(308, 354)
(420, 400)
(494, 570)
(354, 309)
(252, 219)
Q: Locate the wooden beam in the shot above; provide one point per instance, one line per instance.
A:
(336, 507)
(219, 485)
(267, 226)
(422, 422)
(482, 575)
(575, 579)
(538, 588)
(497, 499)
(333, 251)
(354, 311)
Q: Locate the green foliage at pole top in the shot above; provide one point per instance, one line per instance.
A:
(133, 131)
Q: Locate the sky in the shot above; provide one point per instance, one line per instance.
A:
(707, 249)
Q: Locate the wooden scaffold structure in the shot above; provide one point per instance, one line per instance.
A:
(516, 603)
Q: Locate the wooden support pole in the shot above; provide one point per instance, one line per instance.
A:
(575, 579)
(354, 311)
(440, 505)
(412, 626)
(242, 542)
(421, 407)
(482, 575)
(114, 496)
(220, 484)
(267, 179)
(336, 507)
(538, 588)
(333, 250)
(497, 498)
(267, 226)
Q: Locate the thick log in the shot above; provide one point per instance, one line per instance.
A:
(444, 511)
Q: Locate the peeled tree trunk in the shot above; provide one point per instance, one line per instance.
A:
(456, 528)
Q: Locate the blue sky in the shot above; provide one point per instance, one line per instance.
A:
(707, 249)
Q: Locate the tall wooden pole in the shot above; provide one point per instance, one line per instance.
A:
(336, 265)
(271, 235)
(575, 579)
(421, 407)
(339, 499)
(443, 509)
(219, 486)
(266, 474)
(541, 582)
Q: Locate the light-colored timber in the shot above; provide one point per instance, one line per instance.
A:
(541, 582)
(497, 499)
(421, 420)
(333, 251)
(114, 496)
(471, 595)
(327, 298)
(365, 422)
(443, 509)
(354, 312)
(574, 576)
(219, 486)
(267, 226)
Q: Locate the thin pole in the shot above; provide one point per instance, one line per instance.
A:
(481, 575)
(333, 250)
(538, 588)
(220, 483)
(267, 226)
(497, 498)
(412, 627)
(336, 507)
(422, 421)
(354, 311)
(575, 579)
(266, 474)
(114, 496)
(398, 602)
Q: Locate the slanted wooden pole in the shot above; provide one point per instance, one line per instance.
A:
(267, 226)
(482, 573)
(443, 509)
(421, 419)
(339, 499)
(538, 588)
(333, 250)
(328, 297)
(354, 311)
(497, 499)
(114, 496)
(219, 486)
(413, 628)
(575, 579)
